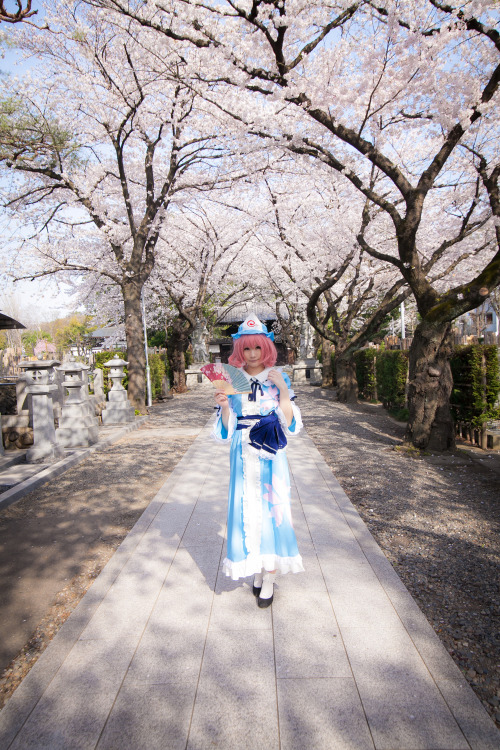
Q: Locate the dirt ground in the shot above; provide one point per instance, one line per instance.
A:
(436, 517)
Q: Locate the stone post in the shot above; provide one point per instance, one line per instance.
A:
(98, 384)
(77, 427)
(97, 398)
(41, 388)
(118, 408)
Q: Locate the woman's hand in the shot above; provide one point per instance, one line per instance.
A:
(278, 380)
(221, 398)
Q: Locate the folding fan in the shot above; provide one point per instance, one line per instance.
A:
(227, 378)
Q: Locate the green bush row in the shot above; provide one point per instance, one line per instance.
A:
(476, 384)
(382, 375)
(476, 376)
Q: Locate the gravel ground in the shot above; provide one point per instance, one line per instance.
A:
(56, 540)
(437, 519)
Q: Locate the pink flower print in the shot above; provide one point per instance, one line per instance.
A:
(269, 400)
(277, 497)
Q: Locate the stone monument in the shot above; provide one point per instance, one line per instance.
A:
(199, 342)
(194, 378)
(98, 398)
(40, 377)
(77, 428)
(306, 369)
(118, 408)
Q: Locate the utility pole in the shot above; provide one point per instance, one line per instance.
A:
(148, 372)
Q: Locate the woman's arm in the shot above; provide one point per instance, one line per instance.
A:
(286, 405)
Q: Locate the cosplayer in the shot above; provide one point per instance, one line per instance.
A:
(260, 536)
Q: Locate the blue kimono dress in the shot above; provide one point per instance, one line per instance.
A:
(259, 523)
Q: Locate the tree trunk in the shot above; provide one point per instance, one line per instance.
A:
(347, 385)
(135, 346)
(177, 356)
(430, 424)
(327, 349)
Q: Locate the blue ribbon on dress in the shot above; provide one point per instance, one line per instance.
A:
(254, 385)
(266, 434)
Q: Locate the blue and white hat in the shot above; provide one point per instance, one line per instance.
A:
(252, 325)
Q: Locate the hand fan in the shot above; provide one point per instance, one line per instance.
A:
(228, 378)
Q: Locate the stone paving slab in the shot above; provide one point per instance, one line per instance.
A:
(165, 652)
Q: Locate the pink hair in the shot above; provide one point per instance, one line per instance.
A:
(269, 353)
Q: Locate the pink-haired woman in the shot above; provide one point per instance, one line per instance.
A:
(260, 536)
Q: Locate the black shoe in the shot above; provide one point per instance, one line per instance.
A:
(256, 590)
(263, 603)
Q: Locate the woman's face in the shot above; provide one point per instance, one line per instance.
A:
(253, 358)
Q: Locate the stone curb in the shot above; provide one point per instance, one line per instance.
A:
(20, 490)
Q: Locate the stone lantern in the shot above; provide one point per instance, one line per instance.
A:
(77, 428)
(118, 408)
(40, 385)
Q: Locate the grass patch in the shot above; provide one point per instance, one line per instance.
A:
(400, 413)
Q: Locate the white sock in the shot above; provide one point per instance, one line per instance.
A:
(257, 579)
(267, 589)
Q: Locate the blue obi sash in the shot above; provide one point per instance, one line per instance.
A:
(266, 434)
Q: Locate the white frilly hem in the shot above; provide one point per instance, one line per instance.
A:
(283, 422)
(254, 564)
(217, 427)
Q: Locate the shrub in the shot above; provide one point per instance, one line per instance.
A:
(158, 369)
(392, 370)
(476, 384)
(365, 373)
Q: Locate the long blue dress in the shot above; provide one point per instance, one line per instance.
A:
(259, 525)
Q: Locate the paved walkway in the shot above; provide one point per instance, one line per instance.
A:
(164, 652)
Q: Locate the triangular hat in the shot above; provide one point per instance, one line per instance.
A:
(252, 325)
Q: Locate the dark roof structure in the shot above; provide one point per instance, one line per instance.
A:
(238, 313)
(6, 322)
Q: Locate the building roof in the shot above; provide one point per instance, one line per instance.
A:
(103, 333)
(6, 322)
(238, 313)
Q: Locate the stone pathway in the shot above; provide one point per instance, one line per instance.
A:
(165, 652)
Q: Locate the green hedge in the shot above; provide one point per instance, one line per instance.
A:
(382, 375)
(392, 371)
(476, 384)
(365, 373)
(158, 369)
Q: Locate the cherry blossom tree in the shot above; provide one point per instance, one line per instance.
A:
(400, 87)
(20, 13)
(101, 148)
(202, 270)
(347, 294)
